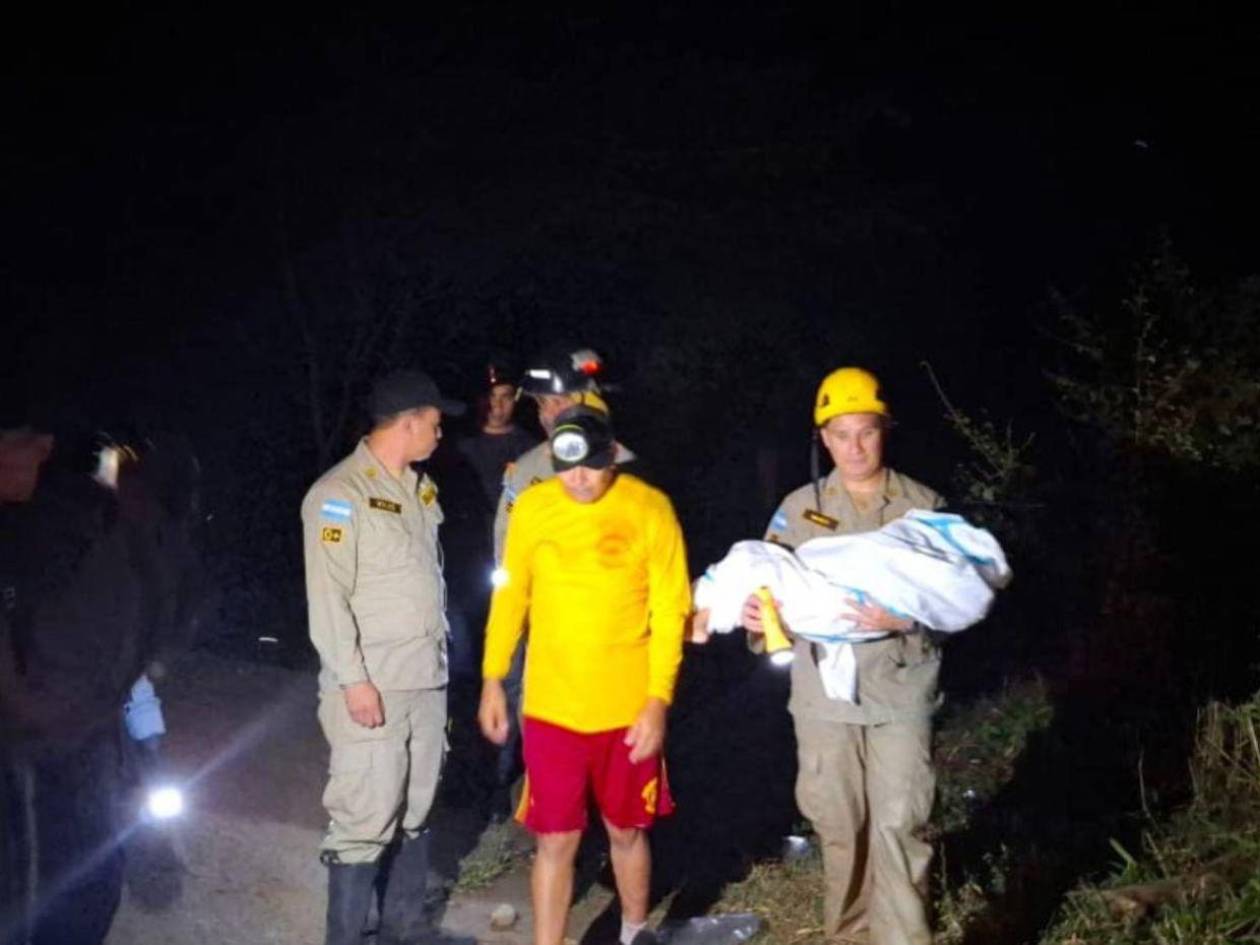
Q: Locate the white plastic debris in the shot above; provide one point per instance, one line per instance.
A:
(795, 848)
(503, 917)
(732, 929)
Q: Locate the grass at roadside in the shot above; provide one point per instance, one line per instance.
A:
(1197, 878)
(977, 747)
(499, 847)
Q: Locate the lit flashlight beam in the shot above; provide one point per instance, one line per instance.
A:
(165, 802)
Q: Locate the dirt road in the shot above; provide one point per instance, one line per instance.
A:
(240, 867)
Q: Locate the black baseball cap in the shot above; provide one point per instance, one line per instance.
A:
(409, 390)
(583, 436)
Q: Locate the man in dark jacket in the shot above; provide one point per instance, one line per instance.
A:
(90, 579)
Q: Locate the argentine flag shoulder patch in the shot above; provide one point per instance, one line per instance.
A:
(336, 510)
(780, 521)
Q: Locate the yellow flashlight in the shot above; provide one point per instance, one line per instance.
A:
(778, 646)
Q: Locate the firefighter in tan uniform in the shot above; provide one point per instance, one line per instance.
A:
(531, 467)
(865, 776)
(556, 379)
(376, 600)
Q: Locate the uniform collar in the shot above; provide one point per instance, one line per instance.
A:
(836, 495)
(372, 467)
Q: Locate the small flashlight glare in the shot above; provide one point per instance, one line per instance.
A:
(498, 577)
(107, 463)
(165, 802)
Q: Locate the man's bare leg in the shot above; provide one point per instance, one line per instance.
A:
(632, 868)
(551, 884)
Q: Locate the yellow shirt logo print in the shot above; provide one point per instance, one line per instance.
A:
(649, 795)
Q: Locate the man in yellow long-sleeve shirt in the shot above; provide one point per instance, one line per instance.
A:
(595, 559)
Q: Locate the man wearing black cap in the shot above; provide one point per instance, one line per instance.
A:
(594, 560)
(376, 600)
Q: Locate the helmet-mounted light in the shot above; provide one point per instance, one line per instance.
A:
(570, 444)
(586, 362)
(496, 375)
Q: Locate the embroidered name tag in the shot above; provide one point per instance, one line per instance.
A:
(385, 505)
(826, 521)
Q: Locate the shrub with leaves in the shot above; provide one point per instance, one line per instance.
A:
(1197, 879)
(1172, 372)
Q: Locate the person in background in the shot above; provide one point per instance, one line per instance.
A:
(92, 586)
(499, 440)
(472, 476)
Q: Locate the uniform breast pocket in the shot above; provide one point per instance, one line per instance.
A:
(386, 543)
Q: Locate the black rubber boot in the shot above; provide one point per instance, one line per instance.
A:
(404, 913)
(349, 898)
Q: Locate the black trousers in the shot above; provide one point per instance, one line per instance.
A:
(65, 812)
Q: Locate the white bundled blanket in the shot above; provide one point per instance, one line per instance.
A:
(933, 567)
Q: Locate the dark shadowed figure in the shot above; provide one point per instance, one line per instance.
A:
(95, 577)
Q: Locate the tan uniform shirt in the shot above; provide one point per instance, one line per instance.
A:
(896, 676)
(374, 585)
(534, 465)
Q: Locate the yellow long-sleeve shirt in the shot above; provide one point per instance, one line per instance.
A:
(606, 590)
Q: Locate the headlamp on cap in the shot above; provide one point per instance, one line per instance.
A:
(110, 459)
(582, 437)
(570, 445)
(497, 375)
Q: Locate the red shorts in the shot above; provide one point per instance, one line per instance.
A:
(562, 766)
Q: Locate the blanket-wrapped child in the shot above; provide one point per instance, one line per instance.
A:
(932, 567)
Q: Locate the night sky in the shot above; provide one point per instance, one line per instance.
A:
(889, 184)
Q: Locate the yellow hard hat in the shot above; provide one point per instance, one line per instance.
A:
(588, 398)
(848, 390)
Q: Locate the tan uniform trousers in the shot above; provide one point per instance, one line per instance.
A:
(868, 791)
(380, 779)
